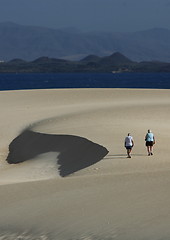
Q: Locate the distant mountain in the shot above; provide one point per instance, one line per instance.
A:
(114, 63)
(48, 60)
(17, 61)
(116, 59)
(30, 42)
(91, 58)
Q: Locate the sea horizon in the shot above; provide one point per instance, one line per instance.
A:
(25, 81)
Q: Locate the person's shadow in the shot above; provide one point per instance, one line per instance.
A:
(75, 152)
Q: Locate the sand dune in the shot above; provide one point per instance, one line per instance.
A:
(69, 177)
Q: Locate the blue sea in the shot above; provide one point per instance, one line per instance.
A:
(84, 80)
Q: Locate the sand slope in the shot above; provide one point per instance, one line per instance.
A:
(107, 196)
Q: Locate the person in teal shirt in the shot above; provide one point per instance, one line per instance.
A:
(150, 141)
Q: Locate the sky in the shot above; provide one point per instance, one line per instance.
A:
(88, 15)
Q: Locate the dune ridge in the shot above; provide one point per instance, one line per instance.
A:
(75, 152)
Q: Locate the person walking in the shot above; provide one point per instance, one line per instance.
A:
(150, 141)
(129, 143)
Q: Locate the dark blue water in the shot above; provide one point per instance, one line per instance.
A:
(84, 80)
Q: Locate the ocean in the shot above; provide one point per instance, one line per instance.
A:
(14, 81)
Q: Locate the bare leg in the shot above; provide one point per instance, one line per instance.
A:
(128, 152)
(148, 149)
(151, 149)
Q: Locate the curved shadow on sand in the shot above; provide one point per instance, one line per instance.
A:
(122, 156)
(75, 152)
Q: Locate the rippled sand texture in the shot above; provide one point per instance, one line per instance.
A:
(63, 169)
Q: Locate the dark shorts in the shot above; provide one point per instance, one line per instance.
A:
(128, 147)
(150, 143)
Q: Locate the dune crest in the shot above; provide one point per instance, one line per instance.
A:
(75, 152)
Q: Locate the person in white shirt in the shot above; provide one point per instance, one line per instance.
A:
(129, 143)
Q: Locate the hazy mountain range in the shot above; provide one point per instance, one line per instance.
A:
(115, 63)
(30, 42)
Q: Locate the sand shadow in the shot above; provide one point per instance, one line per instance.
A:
(116, 156)
(122, 156)
(75, 152)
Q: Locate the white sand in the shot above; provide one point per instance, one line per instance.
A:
(115, 198)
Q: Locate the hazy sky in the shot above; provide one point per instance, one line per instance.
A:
(87, 15)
